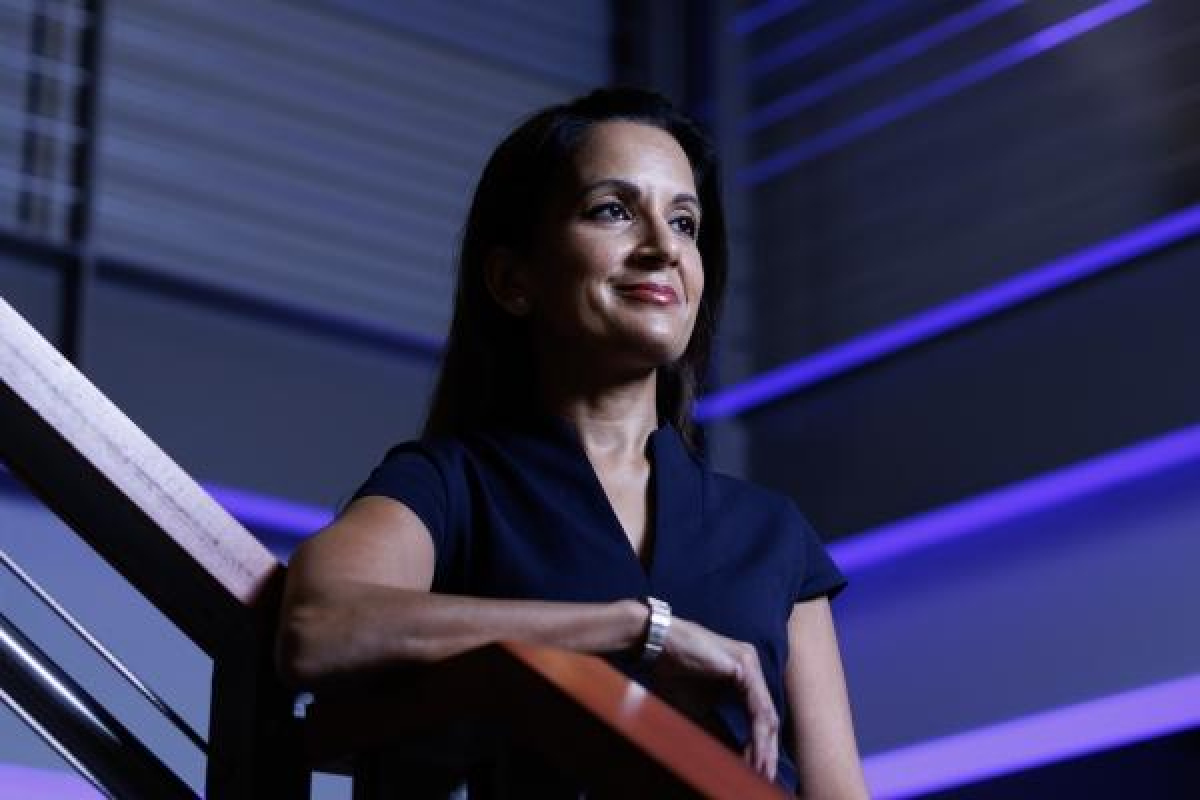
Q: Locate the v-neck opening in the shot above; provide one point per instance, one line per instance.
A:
(644, 560)
(652, 541)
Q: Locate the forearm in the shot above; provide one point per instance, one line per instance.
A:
(362, 627)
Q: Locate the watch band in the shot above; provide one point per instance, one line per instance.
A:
(656, 629)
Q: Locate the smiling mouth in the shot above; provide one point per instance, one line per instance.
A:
(654, 293)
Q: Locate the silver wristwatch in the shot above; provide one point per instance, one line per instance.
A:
(656, 630)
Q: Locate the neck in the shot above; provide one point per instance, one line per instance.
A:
(613, 417)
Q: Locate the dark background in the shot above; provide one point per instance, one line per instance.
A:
(239, 220)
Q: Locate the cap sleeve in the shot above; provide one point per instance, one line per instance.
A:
(819, 574)
(411, 474)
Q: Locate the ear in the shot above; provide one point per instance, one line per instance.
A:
(509, 281)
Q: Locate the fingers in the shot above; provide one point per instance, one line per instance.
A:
(698, 651)
(763, 748)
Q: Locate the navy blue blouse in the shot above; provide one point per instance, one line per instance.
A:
(522, 514)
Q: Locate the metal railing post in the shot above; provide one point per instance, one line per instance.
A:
(90, 738)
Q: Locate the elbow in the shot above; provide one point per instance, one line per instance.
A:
(326, 637)
(302, 645)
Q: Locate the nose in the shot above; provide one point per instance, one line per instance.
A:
(659, 245)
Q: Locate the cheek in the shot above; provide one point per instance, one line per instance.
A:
(695, 280)
(576, 264)
(571, 291)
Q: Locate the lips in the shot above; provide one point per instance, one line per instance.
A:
(658, 294)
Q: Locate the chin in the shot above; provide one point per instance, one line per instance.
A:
(652, 352)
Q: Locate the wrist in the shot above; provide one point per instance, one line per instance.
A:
(635, 616)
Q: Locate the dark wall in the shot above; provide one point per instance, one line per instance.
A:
(1059, 151)
(937, 148)
(251, 404)
(1091, 369)
(1071, 146)
(33, 290)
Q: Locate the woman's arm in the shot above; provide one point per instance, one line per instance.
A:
(823, 731)
(357, 598)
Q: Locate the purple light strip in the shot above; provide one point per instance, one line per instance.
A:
(271, 513)
(1042, 738)
(904, 50)
(811, 41)
(949, 316)
(30, 783)
(982, 512)
(924, 97)
(750, 20)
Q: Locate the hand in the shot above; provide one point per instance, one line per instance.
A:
(692, 651)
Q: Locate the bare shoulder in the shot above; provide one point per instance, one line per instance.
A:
(376, 540)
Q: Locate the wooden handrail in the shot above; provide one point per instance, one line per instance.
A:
(576, 710)
(123, 495)
(167, 536)
(151, 522)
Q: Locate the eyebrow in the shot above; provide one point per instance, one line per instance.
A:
(626, 187)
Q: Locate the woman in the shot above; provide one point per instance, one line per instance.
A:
(556, 496)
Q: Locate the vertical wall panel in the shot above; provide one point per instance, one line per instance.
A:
(39, 81)
(14, 40)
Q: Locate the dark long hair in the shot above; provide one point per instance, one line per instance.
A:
(488, 373)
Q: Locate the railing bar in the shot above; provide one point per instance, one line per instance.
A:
(96, 645)
(54, 744)
(112, 753)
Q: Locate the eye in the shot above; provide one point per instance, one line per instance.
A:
(686, 224)
(609, 211)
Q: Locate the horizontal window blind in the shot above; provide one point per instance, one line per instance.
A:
(321, 153)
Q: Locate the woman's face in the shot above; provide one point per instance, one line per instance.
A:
(616, 273)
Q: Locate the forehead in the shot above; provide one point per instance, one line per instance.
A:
(633, 151)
